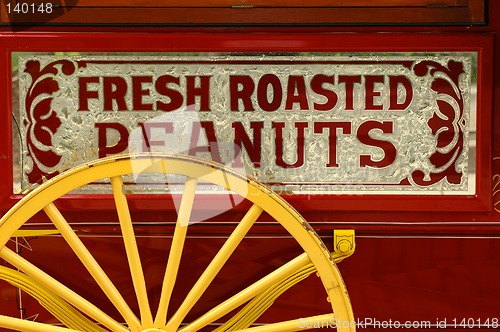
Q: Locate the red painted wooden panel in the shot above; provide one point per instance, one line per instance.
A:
(224, 12)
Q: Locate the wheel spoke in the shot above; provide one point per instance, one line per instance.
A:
(176, 248)
(133, 257)
(248, 293)
(92, 266)
(64, 292)
(215, 266)
(322, 321)
(58, 307)
(18, 324)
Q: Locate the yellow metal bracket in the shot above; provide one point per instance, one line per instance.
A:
(344, 244)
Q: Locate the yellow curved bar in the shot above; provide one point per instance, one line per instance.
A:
(59, 308)
(27, 325)
(47, 282)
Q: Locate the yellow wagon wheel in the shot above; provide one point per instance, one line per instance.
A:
(194, 170)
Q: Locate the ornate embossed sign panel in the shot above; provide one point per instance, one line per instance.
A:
(386, 123)
(391, 123)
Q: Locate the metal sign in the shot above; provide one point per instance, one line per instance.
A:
(323, 123)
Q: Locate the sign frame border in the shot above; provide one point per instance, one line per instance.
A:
(482, 43)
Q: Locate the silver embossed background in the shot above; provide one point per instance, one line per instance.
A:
(434, 136)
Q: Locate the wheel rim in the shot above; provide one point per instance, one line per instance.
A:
(194, 170)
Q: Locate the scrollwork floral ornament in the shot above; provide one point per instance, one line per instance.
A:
(41, 121)
(447, 124)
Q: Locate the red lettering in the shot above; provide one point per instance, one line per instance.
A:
(276, 93)
(296, 84)
(147, 134)
(394, 83)
(162, 86)
(317, 83)
(139, 92)
(212, 147)
(278, 127)
(241, 140)
(120, 146)
(245, 94)
(389, 149)
(331, 128)
(371, 94)
(349, 89)
(202, 91)
(84, 94)
(114, 88)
